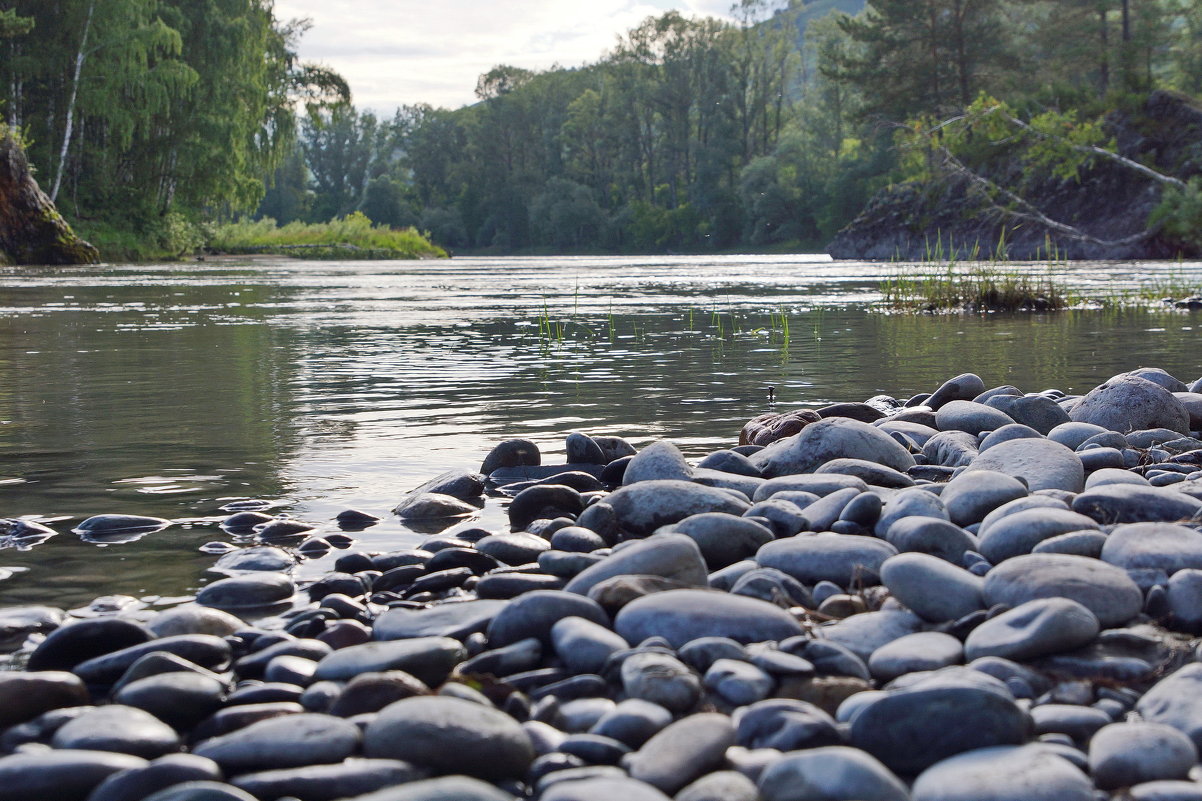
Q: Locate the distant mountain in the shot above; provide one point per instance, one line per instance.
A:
(800, 12)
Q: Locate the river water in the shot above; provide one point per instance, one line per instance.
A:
(172, 390)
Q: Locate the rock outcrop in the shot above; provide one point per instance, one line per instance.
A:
(914, 220)
(31, 229)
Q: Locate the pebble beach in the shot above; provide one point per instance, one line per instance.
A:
(971, 594)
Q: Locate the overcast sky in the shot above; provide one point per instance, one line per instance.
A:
(404, 51)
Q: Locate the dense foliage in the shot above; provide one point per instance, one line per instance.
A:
(696, 134)
(145, 116)
(771, 131)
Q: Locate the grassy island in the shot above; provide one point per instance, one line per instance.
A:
(351, 237)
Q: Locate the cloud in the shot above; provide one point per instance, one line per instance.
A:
(395, 53)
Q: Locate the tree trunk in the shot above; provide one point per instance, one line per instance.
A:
(80, 57)
(1103, 50)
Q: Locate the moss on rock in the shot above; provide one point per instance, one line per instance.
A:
(31, 229)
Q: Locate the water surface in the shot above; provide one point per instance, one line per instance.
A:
(170, 390)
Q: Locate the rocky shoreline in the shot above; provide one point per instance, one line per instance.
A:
(969, 595)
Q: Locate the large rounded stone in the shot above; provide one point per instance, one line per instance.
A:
(533, 614)
(1025, 773)
(1123, 754)
(840, 558)
(974, 418)
(69, 645)
(328, 782)
(123, 729)
(139, 783)
(832, 772)
(449, 735)
(963, 387)
(910, 503)
(1036, 628)
(724, 539)
(684, 615)
(1105, 590)
(643, 507)
(825, 440)
(923, 651)
(61, 774)
(242, 592)
(1177, 701)
(683, 751)
(203, 649)
(673, 556)
(864, 633)
(932, 588)
(24, 696)
(458, 620)
(659, 460)
(602, 788)
(1133, 503)
(975, 493)
(430, 659)
(511, 453)
(1130, 403)
(932, 536)
(291, 741)
(911, 729)
(1041, 463)
(1017, 534)
(1154, 546)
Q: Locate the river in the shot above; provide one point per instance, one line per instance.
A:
(171, 390)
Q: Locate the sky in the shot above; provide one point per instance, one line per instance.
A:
(402, 52)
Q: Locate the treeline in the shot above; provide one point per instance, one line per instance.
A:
(150, 119)
(146, 118)
(697, 134)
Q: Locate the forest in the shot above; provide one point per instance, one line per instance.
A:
(153, 119)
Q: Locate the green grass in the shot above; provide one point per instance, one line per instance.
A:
(981, 286)
(350, 237)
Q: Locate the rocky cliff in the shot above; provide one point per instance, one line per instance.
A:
(31, 229)
(1108, 201)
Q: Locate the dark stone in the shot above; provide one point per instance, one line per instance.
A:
(78, 642)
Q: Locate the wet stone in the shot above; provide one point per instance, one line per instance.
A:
(117, 728)
(286, 742)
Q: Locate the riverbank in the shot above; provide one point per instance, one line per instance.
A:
(659, 628)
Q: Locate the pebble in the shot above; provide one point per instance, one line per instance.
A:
(696, 632)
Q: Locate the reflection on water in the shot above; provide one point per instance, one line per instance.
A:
(171, 390)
